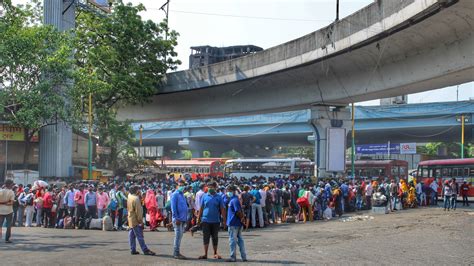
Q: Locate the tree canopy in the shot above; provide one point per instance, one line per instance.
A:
(120, 59)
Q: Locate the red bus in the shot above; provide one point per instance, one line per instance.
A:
(379, 169)
(441, 170)
(194, 168)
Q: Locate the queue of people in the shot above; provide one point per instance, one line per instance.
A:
(234, 204)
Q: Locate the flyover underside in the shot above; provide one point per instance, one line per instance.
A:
(369, 136)
(433, 53)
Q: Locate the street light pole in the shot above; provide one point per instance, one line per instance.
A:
(337, 10)
(353, 143)
(6, 157)
(462, 136)
(89, 172)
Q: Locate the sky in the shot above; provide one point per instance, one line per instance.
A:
(265, 23)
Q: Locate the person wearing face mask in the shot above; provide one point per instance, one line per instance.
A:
(212, 208)
(235, 222)
(179, 214)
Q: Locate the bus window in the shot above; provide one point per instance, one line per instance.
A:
(446, 172)
(395, 171)
(437, 172)
(466, 172)
(403, 170)
(425, 172)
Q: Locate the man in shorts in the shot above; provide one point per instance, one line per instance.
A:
(212, 208)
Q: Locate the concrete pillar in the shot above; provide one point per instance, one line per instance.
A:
(322, 118)
(55, 158)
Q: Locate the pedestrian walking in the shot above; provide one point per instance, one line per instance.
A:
(7, 197)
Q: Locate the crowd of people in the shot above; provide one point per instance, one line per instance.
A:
(210, 204)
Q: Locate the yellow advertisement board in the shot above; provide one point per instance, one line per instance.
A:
(12, 133)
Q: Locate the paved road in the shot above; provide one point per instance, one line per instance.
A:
(416, 236)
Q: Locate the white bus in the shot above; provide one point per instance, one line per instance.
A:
(249, 168)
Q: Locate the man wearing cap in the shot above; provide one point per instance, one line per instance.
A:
(179, 210)
(6, 208)
(235, 222)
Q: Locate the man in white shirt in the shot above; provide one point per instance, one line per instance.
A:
(263, 199)
(368, 194)
(419, 190)
(6, 208)
(434, 193)
(198, 200)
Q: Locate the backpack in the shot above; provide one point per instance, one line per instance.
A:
(29, 200)
(113, 205)
(277, 196)
(67, 221)
(269, 199)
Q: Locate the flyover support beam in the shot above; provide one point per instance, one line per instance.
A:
(55, 159)
(322, 118)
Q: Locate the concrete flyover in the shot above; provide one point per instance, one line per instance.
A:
(386, 49)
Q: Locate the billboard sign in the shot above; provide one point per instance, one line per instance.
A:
(13, 133)
(149, 151)
(336, 150)
(407, 148)
(380, 149)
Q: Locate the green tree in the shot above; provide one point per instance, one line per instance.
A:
(35, 70)
(206, 154)
(187, 154)
(121, 59)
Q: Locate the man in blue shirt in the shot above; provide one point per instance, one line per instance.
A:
(91, 203)
(256, 207)
(179, 209)
(345, 196)
(235, 221)
(212, 208)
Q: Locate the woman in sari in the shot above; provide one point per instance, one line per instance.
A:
(151, 206)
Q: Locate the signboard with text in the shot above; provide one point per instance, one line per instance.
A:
(380, 149)
(12, 133)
